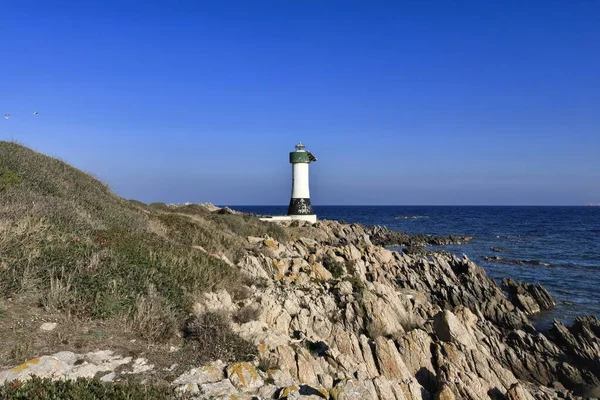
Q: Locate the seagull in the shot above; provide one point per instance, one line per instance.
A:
(6, 116)
(35, 112)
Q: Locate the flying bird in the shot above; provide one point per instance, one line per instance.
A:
(6, 116)
(35, 112)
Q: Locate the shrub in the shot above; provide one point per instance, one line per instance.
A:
(332, 265)
(209, 337)
(241, 292)
(357, 286)
(374, 329)
(8, 178)
(246, 314)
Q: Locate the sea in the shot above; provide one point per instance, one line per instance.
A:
(558, 247)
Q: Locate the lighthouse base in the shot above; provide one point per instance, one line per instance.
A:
(312, 218)
(299, 206)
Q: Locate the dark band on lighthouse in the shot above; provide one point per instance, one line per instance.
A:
(300, 201)
(300, 207)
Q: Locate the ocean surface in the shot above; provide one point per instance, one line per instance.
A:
(558, 247)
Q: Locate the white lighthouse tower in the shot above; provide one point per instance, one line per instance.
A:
(300, 207)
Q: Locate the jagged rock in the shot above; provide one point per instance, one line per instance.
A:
(449, 329)
(390, 364)
(445, 393)
(530, 298)
(516, 392)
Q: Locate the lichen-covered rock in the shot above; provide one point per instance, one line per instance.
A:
(206, 374)
(66, 365)
(244, 375)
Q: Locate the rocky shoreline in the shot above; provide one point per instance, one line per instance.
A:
(336, 315)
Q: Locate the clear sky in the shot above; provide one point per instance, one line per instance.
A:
(403, 102)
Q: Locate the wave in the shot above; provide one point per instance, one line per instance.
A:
(410, 216)
(500, 260)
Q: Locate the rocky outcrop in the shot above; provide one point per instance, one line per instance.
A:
(382, 236)
(529, 298)
(338, 317)
(69, 365)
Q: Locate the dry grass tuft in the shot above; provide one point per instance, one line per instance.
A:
(209, 337)
(246, 314)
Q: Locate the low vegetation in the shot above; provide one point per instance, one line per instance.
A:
(82, 251)
(334, 266)
(211, 338)
(84, 389)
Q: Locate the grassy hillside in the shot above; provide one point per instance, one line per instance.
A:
(70, 243)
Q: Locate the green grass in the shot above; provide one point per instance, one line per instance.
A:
(84, 389)
(87, 252)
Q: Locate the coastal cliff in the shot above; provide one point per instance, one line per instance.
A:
(208, 303)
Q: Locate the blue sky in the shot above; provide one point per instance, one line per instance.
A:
(405, 102)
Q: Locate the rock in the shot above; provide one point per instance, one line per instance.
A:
(214, 301)
(351, 389)
(218, 389)
(530, 298)
(43, 367)
(445, 393)
(65, 365)
(244, 376)
(110, 377)
(287, 391)
(254, 239)
(321, 273)
(449, 329)
(344, 287)
(270, 243)
(516, 392)
(390, 363)
(48, 326)
(140, 365)
(206, 374)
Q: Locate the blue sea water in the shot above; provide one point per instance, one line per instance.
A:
(559, 247)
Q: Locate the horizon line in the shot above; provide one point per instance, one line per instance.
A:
(414, 205)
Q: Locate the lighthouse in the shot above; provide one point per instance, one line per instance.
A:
(300, 207)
